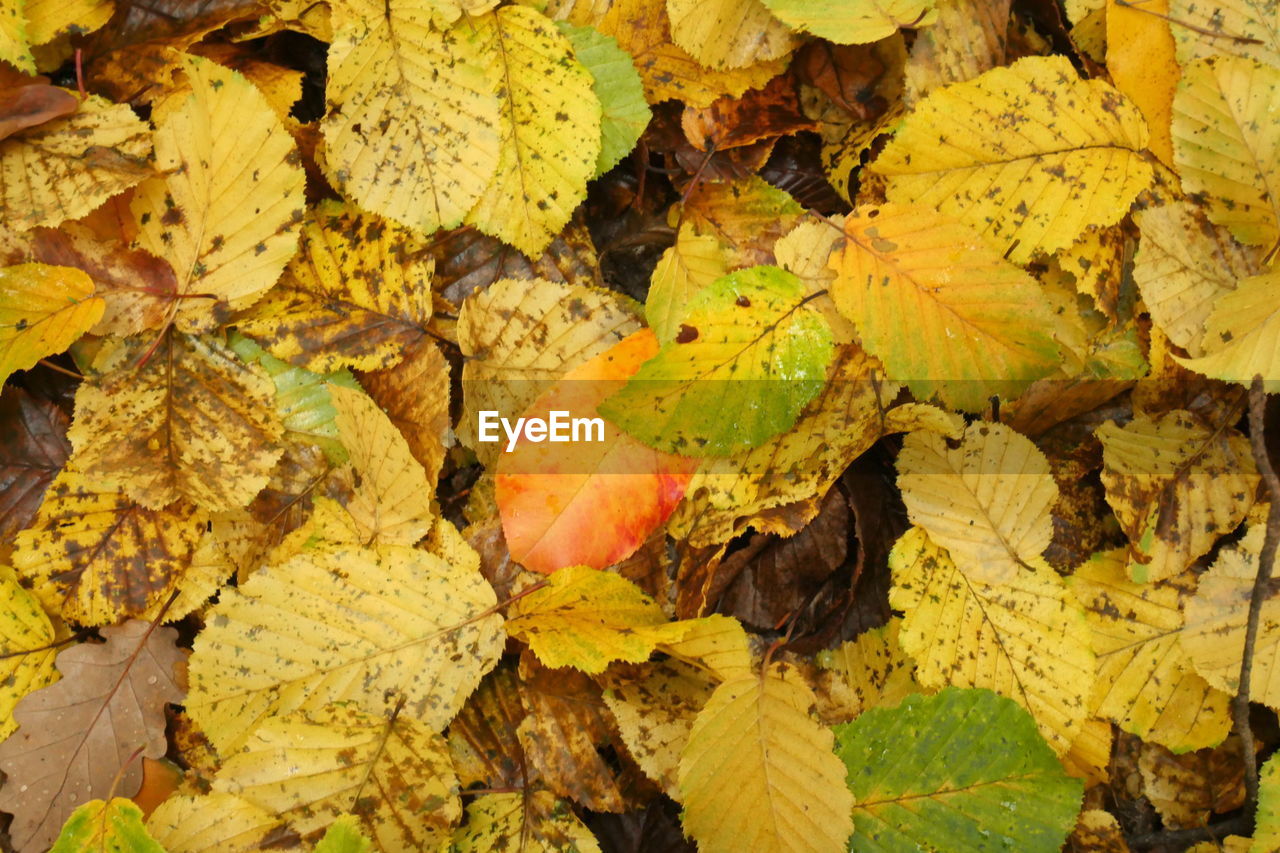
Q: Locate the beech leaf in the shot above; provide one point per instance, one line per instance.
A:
(43, 310)
(98, 827)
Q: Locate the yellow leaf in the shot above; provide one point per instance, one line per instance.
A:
(871, 671)
(1176, 485)
(192, 422)
(728, 494)
(1146, 683)
(987, 501)
(210, 823)
(357, 295)
(43, 310)
(1140, 60)
(26, 648)
(1184, 265)
(942, 310)
(15, 46)
(342, 624)
(746, 216)
(1241, 333)
(520, 335)
(1235, 27)
(392, 503)
(1266, 834)
(549, 127)
(226, 212)
(1029, 155)
(526, 822)
(65, 168)
(51, 19)
(95, 557)
(728, 33)
(1226, 123)
(1025, 638)
(759, 774)
(715, 644)
(693, 262)
(585, 619)
(668, 72)
(402, 92)
(967, 38)
(312, 767)
(655, 708)
(853, 23)
(1215, 623)
(804, 251)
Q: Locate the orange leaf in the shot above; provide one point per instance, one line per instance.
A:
(581, 502)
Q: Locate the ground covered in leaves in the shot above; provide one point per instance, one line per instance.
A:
(914, 491)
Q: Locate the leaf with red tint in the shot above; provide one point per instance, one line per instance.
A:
(588, 503)
(33, 448)
(27, 106)
(771, 111)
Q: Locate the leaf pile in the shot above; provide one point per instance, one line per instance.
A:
(903, 497)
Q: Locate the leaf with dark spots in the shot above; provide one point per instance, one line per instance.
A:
(33, 448)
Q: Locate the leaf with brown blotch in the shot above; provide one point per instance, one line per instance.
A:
(226, 210)
(32, 105)
(193, 421)
(65, 168)
(415, 396)
(27, 647)
(567, 721)
(357, 294)
(1188, 789)
(95, 557)
(483, 740)
(33, 449)
(771, 111)
(526, 822)
(75, 736)
(137, 287)
(211, 823)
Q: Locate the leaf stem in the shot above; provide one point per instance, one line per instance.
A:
(56, 368)
(1259, 594)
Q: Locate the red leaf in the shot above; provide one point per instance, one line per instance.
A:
(587, 503)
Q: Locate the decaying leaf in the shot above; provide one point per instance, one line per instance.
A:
(532, 822)
(33, 449)
(310, 767)
(77, 736)
(27, 648)
(1175, 485)
(186, 420)
(871, 671)
(43, 310)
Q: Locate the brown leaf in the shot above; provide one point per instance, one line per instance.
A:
(415, 396)
(567, 721)
(74, 736)
(847, 74)
(482, 738)
(33, 448)
(467, 261)
(138, 287)
(1188, 789)
(33, 104)
(770, 111)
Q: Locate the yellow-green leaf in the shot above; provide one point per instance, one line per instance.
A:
(193, 421)
(549, 126)
(106, 827)
(1029, 155)
(624, 111)
(43, 310)
(312, 767)
(688, 266)
(401, 91)
(758, 772)
(585, 619)
(343, 624)
(943, 311)
(1226, 143)
(343, 836)
(1146, 683)
(1175, 485)
(226, 209)
(987, 501)
(1025, 638)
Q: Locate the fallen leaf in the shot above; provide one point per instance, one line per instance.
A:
(43, 310)
(33, 449)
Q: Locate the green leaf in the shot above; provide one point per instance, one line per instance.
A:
(101, 827)
(624, 111)
(343, 836)
(965, 770)
(747, 357)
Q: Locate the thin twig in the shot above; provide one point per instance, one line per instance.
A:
(57, 368)
(1240, 707)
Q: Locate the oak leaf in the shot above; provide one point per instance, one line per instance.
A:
(78, 736)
